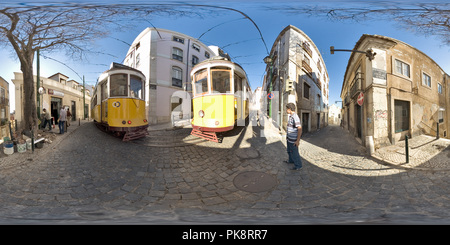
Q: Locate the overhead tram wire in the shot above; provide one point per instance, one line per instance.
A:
(205, 6)
(210, 29)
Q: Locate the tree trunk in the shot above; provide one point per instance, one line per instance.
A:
(29, 95)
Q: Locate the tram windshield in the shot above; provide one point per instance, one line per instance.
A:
(136, 87)
(118, 85)
(201, 82)
(221, 80)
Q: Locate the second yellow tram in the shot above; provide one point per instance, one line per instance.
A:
(118, 103)
(221, 95)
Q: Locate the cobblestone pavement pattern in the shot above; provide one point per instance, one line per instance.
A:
(172, 177)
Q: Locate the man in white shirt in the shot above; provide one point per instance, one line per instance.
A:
(294, 131)
(62, 119)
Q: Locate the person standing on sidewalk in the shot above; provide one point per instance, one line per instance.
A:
(294, 131)
(47, 119)
(62, 119)
(69, 117)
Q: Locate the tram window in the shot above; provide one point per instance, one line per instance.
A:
(237, 83)
(220, 81)
(118, 85)
(201, 82)
(136, 87)
(104, 91)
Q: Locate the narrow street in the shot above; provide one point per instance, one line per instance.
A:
(171, 177)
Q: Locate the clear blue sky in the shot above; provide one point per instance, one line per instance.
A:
(241, 40)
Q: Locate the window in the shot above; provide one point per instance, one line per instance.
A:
(439, 88)
(2, 96)
(196, 47)
(402, 68)
(207, 55)
(104, 91)
(118, 85)
(220, 81)
(194, 60)
(401, 115)
(426, 80)
(177, 54)
(177, 76)
(201, 82)
(306, 88)
(138, 60)
(237, 83)
(178, 39)
(136, 87)
(441, 115)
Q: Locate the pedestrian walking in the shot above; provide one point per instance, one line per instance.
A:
(294, 131)
(62, 120)
(47, 119)
(69, 117)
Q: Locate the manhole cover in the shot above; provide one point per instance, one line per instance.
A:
(254, 181)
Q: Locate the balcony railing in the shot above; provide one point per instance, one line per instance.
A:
(356, 84)
(347, 100)
(306, 66)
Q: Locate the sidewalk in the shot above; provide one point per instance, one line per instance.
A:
(425, 153)
(52, 139)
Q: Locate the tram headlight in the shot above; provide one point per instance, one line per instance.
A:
(201, 113)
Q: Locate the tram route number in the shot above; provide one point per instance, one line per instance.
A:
(230, 235)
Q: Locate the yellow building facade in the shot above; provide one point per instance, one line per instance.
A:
(4, 109)
(55, 91)
(399, 92)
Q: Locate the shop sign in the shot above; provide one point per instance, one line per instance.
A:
(54, 92)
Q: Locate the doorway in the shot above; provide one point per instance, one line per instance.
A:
(56, 104)
(305, 122)
(318, 121)
(358, 121)
(73, 110)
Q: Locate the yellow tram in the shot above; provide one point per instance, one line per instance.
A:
(118, 103)
(221, 95)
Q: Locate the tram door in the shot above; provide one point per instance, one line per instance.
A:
(104, 102)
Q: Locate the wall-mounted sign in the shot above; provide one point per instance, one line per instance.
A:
(54, 92)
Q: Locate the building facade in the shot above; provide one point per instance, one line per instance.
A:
(297, 73)
(4, 109)
(399, 92)
(166, 59)
(56, 91)
(334, 115)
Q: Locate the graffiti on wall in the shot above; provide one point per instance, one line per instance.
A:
(380, 114)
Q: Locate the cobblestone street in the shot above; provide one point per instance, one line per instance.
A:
(171, 177)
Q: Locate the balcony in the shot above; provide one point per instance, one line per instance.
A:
(356, 84)
(307, 68)
(346, 100)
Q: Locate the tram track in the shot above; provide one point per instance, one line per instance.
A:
(173, 138)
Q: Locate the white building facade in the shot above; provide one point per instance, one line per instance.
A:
(166, 59)
(297, 73)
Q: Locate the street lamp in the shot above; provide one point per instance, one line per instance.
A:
(369, 53)
(269, 61)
